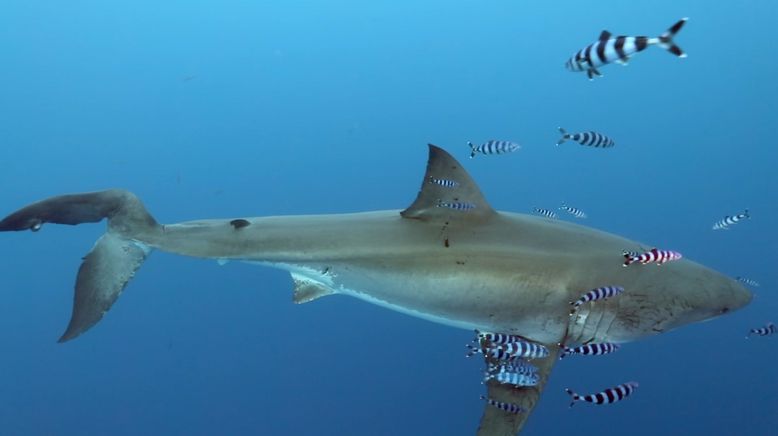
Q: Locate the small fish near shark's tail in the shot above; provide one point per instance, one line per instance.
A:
(565, 136)
(665, 40)
(113, 260)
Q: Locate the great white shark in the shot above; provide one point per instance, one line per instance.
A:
(473, 269)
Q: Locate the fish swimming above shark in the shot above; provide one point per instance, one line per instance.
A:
(473, 268)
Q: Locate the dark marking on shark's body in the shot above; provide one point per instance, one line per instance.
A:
(239, 223)
(508, 273)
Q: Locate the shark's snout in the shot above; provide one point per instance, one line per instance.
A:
(738, 296)
(720, 297)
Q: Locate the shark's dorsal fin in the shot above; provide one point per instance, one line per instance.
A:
(448, 193)
(605, 35)
(495, 421)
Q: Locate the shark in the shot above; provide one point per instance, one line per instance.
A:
(449, 258)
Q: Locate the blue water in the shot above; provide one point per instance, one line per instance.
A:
(238, 108)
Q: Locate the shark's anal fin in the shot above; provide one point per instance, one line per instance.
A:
(306, 290)
(496, 422)
(448, 193)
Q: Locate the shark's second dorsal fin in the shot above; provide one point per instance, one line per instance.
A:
(448, 193)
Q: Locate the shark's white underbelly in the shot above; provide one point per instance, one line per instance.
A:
(451, 301)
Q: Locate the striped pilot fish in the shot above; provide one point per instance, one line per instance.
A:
(574, 211)
(507, 376)
(601, 293)
(610, 395)
(496, 338)
(652, 256)
(590, 349)
(767, 330)
(443, 182)
(461, 206)
(545, 212)
(507, 407)
(724, 223)
(520, 366)
(591, 139)
(608, 49)
(495, 352)
(747, 281)
(510, 351)
(493, 146)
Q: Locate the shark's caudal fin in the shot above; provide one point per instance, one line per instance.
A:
(666, 39)
(448, 193)
(113, 260)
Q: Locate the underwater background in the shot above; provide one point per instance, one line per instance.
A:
(229, 108)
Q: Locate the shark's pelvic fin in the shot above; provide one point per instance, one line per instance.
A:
(306, 290)
(496, 422)
(448, 193)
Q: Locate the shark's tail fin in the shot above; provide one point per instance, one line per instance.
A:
(113, 260)
(666, 39)
(564, 137)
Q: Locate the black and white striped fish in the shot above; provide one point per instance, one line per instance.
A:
(525, 349)
(509, 351)
(461, 206)
(610, 395)
(545, 212)
(601, 293)
(608, 49)
(520, 366)
(507, 407)
(444, 182)
(747, 281)
(497, 353)
(724, 223)
(590, 349)
(493, 146)
(767, 330)
(653, 255)
(574, 211)
(515, 378)
(591, 139)
(496, 338)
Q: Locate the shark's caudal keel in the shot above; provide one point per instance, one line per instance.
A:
(449, 258)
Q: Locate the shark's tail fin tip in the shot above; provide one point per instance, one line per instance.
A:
(113, 260)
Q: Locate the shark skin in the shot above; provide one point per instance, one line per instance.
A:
(471, 269)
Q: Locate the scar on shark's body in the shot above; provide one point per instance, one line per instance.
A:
(239, 223)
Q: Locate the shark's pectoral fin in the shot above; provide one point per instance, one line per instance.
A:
(101, 279)
(306, 290)
(448, 193)
(495, 421)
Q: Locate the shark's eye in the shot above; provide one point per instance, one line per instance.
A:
(724, 310)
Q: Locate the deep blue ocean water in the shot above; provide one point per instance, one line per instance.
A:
(239, 108)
